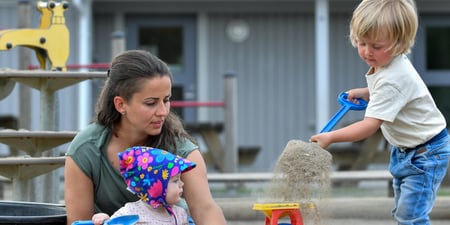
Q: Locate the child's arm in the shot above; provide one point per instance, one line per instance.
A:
(351, 133)
(99, 218)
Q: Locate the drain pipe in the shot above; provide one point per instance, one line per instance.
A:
(322, 64)
(84, 57)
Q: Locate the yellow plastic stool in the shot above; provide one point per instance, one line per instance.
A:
(275, 211)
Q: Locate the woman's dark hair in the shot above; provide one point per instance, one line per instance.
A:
(125, 77)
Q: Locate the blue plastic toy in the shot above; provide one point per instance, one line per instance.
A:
(346, 106)
(123, 220)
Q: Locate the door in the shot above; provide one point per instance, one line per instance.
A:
(172, 39)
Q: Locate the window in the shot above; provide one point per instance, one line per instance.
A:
(440, 95)
(164, 42)
(431, 57)
(438, 48)
(431, 53)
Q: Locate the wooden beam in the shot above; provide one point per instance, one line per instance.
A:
(334, 176)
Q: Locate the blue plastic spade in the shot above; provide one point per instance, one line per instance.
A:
(122, 220)
(346, 106)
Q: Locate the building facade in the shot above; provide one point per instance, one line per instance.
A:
(271, 46)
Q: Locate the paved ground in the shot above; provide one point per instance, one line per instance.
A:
(350, 207)
(336, 211)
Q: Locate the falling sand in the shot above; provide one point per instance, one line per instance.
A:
(301, 175)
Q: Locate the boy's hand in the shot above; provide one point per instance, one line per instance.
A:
(323, 139)
(355, 93)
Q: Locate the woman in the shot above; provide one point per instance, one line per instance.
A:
(133, 110)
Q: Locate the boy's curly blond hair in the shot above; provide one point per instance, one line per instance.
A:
(393, 20)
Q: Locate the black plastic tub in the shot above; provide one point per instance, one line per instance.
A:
(16, 212)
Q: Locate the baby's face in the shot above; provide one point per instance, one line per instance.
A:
(174, 190)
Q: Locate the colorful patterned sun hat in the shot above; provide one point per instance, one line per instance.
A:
(147, 172)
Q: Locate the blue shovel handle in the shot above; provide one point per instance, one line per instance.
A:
(83, 222)
(346, 106)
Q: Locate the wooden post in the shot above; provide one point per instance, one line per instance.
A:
(117, 43)
(230, 124)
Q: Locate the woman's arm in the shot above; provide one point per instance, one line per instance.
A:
(204, 210)
(78, 193)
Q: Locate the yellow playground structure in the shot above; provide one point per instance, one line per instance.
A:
(50, 41)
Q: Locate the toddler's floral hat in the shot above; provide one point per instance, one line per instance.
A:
(147, 171)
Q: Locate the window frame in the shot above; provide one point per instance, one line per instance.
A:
(431, 77)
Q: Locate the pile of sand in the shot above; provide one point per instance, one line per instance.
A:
(301, 175)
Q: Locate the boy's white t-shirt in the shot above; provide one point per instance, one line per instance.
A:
(147, 215)
(400, 98)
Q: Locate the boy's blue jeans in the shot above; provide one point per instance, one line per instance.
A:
(417, 177)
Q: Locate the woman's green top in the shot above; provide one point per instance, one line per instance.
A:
(88, 151)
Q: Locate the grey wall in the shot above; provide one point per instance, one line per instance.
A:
(276, 76)
(275, 66)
